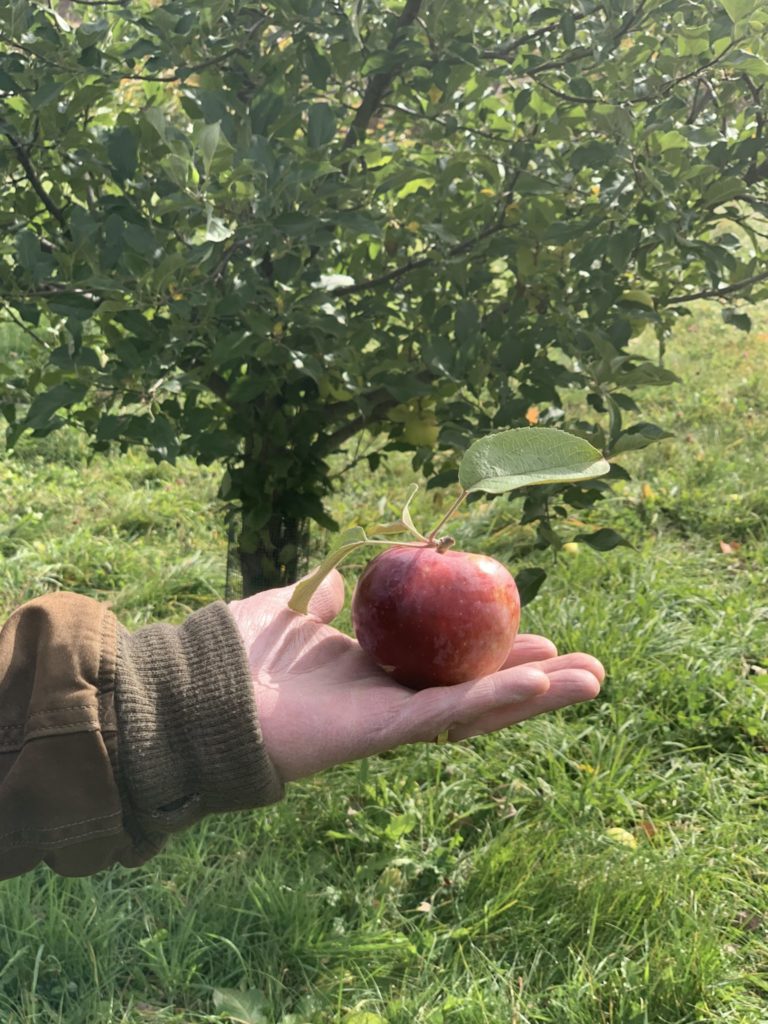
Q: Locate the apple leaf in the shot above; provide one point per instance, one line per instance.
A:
(403, 525)
(603, 540)
(406, 515)
(528, 455)
(351, 539)
(528, 583)
(386, 529)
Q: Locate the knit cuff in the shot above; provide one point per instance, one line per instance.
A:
(190, 743)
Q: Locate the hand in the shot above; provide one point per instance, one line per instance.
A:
(322, 701)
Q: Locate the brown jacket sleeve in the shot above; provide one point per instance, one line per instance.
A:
(109, 741)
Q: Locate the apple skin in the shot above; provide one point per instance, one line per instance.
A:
(435, 618)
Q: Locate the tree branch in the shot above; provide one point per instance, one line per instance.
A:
(421, 261)
(718, 293)
(379, 83)
(24, 327)
(34, 181)
(380, 400)
(503, 52)
(436, 119)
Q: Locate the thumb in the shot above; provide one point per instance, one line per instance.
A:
(328, 600)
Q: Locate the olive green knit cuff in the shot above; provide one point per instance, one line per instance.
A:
(189, 740)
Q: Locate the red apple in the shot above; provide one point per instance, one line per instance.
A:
(433, 617)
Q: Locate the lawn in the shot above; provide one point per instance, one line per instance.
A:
(604, 865)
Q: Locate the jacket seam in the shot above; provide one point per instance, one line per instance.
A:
(18, 836)
(49, 711)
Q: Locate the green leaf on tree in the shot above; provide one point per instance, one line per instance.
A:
(207, 142)
(321, 125)
(529, 583)
(603, 540)
(639, 436)
(122, 149)
(738, 9)
(45, 405)
(736, 319)
(524, 456)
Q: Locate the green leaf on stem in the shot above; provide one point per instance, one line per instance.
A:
(351, 539)
(528, 583)
(528, 455)
(406, 515)
(603, 540)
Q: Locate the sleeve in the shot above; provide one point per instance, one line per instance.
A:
(111, 741)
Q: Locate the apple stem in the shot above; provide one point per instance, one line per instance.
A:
(431, 536)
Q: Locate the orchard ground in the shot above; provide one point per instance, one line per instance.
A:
(605, 865)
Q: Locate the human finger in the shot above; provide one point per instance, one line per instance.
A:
(574, 660)
(431, 711)
(566, 687)
(529, 647)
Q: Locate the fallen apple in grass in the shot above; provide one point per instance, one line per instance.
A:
(431, 615)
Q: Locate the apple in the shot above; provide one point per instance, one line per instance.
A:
(421, 429)
(432, 616)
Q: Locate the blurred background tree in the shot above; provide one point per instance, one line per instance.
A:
(253, 232)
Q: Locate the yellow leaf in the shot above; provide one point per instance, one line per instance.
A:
(648, 492)
(434, 94)
(487, 192)
(277, 328)
(621, 836)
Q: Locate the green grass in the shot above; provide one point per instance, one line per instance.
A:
(471, 884)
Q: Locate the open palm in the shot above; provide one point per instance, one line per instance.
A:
(322, 701)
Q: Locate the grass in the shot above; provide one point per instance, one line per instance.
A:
(605, 865)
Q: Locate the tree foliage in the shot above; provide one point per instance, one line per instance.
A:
(249, 232)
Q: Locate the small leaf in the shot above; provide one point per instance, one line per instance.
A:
(216, 230)
(386, 529)
(639, 436)
(241, 1007)
(603, 540)
(122, 149)
(349, 541)
(529, 582)
(622, 837)
(736, 319)
(524, 456)
(738, 9)
(568, 27)
(414, 185)
(207, 142)
(45, 405)
(321, 126)
(406, 515)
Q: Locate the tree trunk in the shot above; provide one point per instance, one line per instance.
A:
(278, 558)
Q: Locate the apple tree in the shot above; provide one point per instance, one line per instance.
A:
(251, 232)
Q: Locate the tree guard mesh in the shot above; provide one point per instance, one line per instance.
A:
(281, 559)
